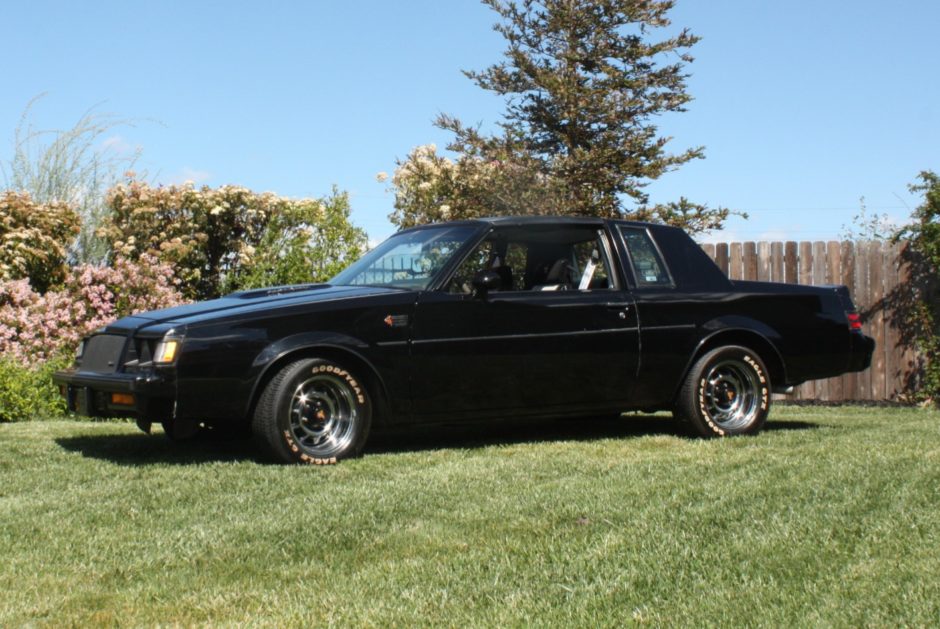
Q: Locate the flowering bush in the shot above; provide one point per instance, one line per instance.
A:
(34, 239)
(430, 187)
(212, 236)
(38, 327)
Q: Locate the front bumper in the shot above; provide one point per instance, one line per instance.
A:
(90, 394)
(861, 352)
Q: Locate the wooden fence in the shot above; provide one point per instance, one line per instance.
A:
(877, 279)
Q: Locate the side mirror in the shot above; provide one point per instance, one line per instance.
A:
(485, 281)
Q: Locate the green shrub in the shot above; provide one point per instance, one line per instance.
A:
(919, 298)
(27, 393)
(310, 241)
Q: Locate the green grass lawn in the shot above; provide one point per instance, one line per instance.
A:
(831, 517)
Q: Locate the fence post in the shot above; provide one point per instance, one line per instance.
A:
(721, 256)
(847, 253)
(863, 304)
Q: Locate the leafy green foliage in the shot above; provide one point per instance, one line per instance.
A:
(924, 231)
(34, 239)
(920, 296)
(309, 242)
(27, 392)
(867, 225)
(584, 82)
(223, 238)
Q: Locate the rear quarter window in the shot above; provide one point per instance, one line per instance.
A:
(648, 267)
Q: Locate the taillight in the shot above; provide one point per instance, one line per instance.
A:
(855, 321)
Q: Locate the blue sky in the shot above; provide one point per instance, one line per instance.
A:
(803, 107)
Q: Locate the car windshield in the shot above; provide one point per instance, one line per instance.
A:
(410, 260)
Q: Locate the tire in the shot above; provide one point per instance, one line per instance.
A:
(180, 431)
(313, 411)
(727, 392)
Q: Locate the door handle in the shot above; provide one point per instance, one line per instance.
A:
(624, 308)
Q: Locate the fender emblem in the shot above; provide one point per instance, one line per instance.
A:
(396, 321)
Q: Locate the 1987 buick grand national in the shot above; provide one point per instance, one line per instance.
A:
(502, 317)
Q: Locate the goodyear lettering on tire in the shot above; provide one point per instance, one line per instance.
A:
(345, 375)
(704, 412)
(304, 457)
(765, 394)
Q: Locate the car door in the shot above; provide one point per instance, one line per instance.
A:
(531, 346)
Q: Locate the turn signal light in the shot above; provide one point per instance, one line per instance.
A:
(855, 321)
(122, 399)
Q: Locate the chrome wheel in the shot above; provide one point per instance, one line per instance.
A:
(731, 394)
(322, 414)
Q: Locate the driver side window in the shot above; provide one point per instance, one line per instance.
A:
(493, 254)
(462, 281)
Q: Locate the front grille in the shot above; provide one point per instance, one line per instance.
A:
(102, 353)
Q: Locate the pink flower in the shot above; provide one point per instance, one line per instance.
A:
(35, 327)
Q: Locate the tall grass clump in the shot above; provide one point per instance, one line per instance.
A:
(74, 166)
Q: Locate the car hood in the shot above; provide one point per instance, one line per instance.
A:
(247, 303)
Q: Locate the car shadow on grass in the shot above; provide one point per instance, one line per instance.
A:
(141, 450)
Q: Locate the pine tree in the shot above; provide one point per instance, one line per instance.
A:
(584, 82)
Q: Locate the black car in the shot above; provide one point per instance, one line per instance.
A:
(502, 317)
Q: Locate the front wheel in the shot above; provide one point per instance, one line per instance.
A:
(313, 411)
(727, 392)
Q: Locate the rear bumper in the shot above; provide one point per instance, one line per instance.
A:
(860, 354)
(89, 394)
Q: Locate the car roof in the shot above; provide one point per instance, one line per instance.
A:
(524, 221)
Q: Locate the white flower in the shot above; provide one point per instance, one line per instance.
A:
(445, 211)
(216, 210)
(424, 185)
(381, 177)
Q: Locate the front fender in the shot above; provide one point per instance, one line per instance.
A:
(280, 348)
(274, 355)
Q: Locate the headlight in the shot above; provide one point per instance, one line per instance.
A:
(167, 349)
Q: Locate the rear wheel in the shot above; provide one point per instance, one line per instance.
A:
(727, 392)
(313, 411)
